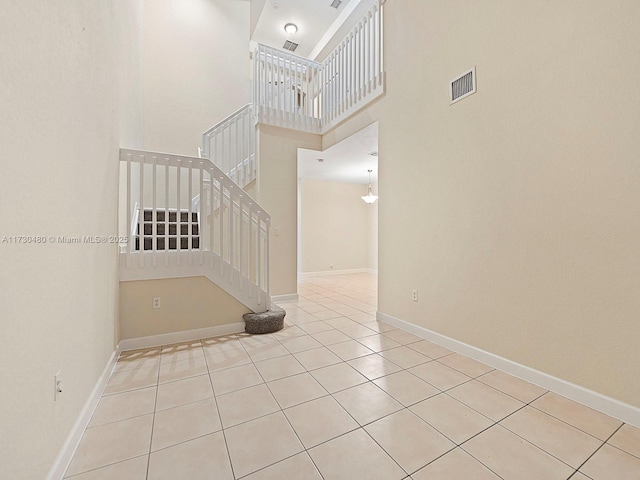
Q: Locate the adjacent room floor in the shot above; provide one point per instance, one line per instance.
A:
(337, 395)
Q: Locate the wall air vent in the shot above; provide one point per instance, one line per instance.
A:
(336, 3)
(463, 85)
(291, 46)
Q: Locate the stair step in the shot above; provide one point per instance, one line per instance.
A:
(171, 227)
(173, 216)
(173, 243)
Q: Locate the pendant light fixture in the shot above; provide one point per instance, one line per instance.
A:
(369, 197)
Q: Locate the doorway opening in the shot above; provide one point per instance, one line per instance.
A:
(337, 229)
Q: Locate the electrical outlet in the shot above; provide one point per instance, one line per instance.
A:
(57, 385)
(414, 295)
(156, 302)
(276, 231)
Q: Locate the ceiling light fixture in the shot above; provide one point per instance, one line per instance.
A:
(369, 197)
(291, 28)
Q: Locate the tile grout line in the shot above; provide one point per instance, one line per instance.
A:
(596, 451)
(76, 475)
(116, 421)
(441, 392)
(402, 369)
(308, 371)
(539, 447)
(514, 433)
(360, 427)
(480, 461)
(153, 420)
(571, 425)
(489, 427)
(305, 450)
(385, 451)
(282, 411)
(620, 448)
(157, 384)
(224, 436)
(342, 361)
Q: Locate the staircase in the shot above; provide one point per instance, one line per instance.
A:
(189, 216)
(222, 234)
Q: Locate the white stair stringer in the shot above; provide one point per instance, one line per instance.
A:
(178, 265)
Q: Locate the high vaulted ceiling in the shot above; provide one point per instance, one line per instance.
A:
(316, 20)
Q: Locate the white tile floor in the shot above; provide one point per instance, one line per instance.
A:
(337, 395)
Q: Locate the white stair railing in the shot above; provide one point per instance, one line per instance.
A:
(287, 89)
(230, 145)
(300, 94)
(224, 235)
(353, 74)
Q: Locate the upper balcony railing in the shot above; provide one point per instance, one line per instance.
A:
(293, 92)
(287, 90)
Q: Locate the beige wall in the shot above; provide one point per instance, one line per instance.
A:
(277, 188)
(196, 69)
(61, 65)
(515, 212)
(256, 7)
(129, 37)
(372, 232)
(353, 124)
(185, 304)
(336, 231)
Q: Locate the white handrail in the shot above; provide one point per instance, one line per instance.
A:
(227, 242)
(230, 145)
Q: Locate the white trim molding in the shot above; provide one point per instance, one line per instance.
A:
(180, 337)
(329, 273)
(622, 411)
(284, 298)
(63, 459)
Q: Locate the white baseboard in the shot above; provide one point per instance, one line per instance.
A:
(610, 406)
(329, 273)
(73, 440)
(180, 337)
(284, 298)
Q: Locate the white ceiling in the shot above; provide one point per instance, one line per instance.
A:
(314, 19)
(347, 161)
